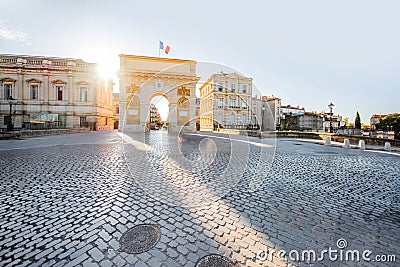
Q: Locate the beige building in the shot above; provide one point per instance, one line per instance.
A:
(142, 78)
(375, 118)
(116, 109)
(291, 110)
(332, 121)
(225, 102)
(266, 112)
(53, 92)
(197, 108)
(154, 118)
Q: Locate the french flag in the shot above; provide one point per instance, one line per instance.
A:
(166, 48)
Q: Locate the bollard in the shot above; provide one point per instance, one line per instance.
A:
(346, 143)
(361, 144)
(387, 147)
(328, 141)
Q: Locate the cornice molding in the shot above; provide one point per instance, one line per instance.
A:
(58, 81)
(33, 80)
(8, 80)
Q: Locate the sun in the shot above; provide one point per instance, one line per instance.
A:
(107, 67)
(105, 57)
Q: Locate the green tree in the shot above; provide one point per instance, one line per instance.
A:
(357, 123)
(390, 123)
(347, 123)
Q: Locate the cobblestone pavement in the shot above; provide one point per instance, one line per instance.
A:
(66, 201)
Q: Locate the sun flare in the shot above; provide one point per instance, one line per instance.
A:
(107, 68)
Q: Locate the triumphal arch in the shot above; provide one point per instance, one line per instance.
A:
(142, 78)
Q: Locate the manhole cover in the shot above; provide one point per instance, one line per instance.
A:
(140, 238)
(215, 260)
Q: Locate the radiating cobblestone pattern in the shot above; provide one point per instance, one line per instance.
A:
(69, 205)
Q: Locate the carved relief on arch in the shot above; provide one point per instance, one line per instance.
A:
(183, 111)
(183, 102)
(183, 91)
(132, 89)
(132, 110)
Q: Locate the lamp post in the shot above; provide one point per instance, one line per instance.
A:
(330, 106)
(10, 125)
(262, 117)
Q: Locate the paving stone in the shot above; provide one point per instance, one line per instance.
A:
(154, 262)
(106, 263)
(171, 253)
(77, 260)
(89, 263)
(81, 251)
(96, 254)
(310, 197)
(43, 253)
(131, 259)
(141, 264)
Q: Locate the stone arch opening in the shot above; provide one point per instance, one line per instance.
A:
(147, 77)
(158, 112)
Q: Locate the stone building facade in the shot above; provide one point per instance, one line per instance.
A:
(53, 92)
(375, 118)
(142, 78)
(225, 102)
(266, 112)
(155, 118)
(116, 109)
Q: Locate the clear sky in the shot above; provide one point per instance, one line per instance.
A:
(308, 53)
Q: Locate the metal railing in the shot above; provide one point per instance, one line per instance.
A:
(237, 126)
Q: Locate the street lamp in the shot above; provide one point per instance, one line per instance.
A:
(262, 117)
(330, 106)
(10, 125)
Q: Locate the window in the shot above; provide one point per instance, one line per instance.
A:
(244, 104)
(220, 87)
(233, 103)
(244, 119)
(233, 118)
(59, 91)
(7, 90)
(244, 88)
(117, 109)
(82, 122)
(34, 91)
(159, 85)
(220, 102)
(7, 120)
(233, 87)
(220, 117)
(83, 94)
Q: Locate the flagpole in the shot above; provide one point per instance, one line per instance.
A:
(159, 48)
